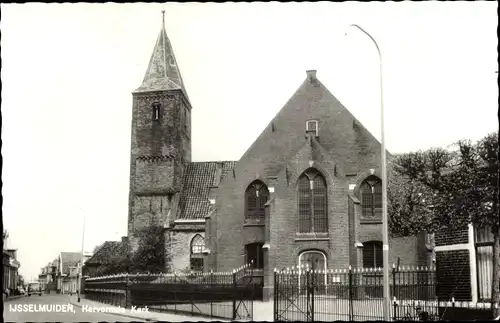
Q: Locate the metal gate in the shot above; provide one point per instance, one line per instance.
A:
(294, 293)
(245, 290)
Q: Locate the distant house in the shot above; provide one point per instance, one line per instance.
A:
(45, 278)
(69, 263)
(10, 265)
(10, 269)
(109, 251)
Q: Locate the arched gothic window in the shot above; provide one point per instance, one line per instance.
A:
(256, 197)
(371, 198)
(196, 255)
(312, 198)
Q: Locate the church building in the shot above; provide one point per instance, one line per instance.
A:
(307, 191)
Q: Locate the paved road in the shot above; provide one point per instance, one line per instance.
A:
(71, 314)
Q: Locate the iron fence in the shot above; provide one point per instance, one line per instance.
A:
(354, 294)
(301, 294)
(226, 295)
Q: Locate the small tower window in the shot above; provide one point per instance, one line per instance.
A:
(156, 111)
(185, 120)
(312, 127)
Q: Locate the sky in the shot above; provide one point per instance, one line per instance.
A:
(68, 71)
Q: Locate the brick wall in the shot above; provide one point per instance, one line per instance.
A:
(453, 275)
(407, 249)
(278, 157)
(179, 248)
(287, 242)
(210, 237)
(156, 176)
(253, 234)
(150, 210)
(158, 137)
(157, 179)
(452, 236)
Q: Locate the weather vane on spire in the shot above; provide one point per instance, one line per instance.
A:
(163, 16)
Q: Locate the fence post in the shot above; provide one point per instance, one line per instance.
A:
(192, 302)
(128, 294)
(275, 295)
(308, 294)
(211, 288)
(394, 291)
(350, 295)
(252, 282)
(313, 287)
(234, 293)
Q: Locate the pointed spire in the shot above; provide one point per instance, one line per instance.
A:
(163, 72)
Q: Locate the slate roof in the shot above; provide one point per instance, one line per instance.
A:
(163, 72)
(199, 177)
(69, 259)
(106, 251)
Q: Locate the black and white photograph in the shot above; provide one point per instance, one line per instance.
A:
(257, 161)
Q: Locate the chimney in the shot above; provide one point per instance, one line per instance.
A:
(311, 76)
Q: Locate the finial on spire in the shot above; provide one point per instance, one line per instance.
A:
(163, 17)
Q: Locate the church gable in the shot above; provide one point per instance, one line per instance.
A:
(199, 178)
(311, 155)
(338, 132)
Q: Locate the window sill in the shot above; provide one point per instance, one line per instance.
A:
(254, 222)
(371, 221)
(300, 236)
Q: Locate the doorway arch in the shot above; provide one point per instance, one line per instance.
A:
(313, 260)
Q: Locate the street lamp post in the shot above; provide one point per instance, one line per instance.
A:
(80, 275)
(385, 233)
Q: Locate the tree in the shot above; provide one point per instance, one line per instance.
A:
(456, 188)
(409, 206)
(150, 255)
(115, 264)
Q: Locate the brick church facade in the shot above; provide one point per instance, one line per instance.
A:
(307, 191)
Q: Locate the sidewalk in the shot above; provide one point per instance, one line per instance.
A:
(150, 315)
(11, 298)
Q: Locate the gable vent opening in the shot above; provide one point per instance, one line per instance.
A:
(312, 128)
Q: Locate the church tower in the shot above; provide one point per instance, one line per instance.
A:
(161, 139)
